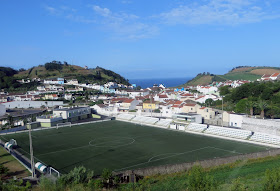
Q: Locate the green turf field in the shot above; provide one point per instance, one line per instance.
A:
(119, 146)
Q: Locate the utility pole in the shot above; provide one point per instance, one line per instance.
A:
(31, 154)
(222, 112)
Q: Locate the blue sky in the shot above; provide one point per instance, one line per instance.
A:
(141, 38)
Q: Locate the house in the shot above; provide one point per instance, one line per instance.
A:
(275, 76)
(128, 104)
(265, 77)
(150, 105)
(137, 93)
(235, 120)
(72, 82)
(161, 97)
(139, 107)
(206, 113)
(207, 89)
(190, 107)
(54, 81)
(101, 108)
(51, 97)
(49, 120)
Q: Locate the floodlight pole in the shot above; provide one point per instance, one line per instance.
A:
(31, 154)
(222, 112)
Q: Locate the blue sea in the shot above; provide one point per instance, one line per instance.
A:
(168, 82)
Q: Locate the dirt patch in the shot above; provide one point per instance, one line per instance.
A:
(15, 168)
(265, 71)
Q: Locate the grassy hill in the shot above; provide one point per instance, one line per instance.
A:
(241, 175)
(56, 69)
(238, 73)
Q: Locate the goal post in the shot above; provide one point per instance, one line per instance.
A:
(63, 124)
(54, 172)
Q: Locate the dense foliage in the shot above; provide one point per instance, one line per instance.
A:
(257, 98)
(54, 65)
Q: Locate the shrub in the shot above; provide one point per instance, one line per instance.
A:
(272, 180)
(237, 185)
(199, 180)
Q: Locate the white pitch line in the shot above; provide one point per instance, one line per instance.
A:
(162, 158)
(63, 150)
(161, 155)
(225, 150)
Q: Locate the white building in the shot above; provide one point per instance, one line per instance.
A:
(75, 113)
(207, 89)
(235, 120)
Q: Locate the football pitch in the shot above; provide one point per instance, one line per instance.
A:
(120, 146)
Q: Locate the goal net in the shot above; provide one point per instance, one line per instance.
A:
(13, 142)
(53, 172)
(63, 124)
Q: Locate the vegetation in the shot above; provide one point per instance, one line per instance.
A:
(252, 175)
(56, 69)
(237, 73)
(257, 98)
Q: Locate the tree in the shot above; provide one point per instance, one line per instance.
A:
(273, 110)
(224, 90)
(250, 106)
(262, 105)
(241, 106)
(209, 102)
(106, 176)
(11, 121)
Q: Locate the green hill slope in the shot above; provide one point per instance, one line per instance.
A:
(238, 73)
(57, 69)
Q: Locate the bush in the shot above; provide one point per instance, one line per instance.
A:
(199, 180)
(76, 176)
(95, 184)
(237, 185)
(272, 180)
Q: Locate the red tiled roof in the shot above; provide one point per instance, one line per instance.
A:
(275, 75)
(163, 96)
(266, 76)
(189, 104)
(128, 100)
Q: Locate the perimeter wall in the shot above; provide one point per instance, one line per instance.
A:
(172, 168)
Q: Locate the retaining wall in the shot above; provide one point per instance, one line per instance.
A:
(172, 168)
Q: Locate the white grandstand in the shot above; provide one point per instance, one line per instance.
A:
(124, 116)
(145, 120)
(228, 132)
(164, 122)
(196, 127)
(201, 128)
(265, 138)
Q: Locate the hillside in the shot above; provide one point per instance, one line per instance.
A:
(57, 69)
(238, 73)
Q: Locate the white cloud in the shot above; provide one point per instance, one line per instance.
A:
(51, 10)
(223, 12)
(125, 25)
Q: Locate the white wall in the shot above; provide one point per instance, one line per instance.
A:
(2, 110)
(235, 120)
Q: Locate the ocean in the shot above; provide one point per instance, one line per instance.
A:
(168, 82)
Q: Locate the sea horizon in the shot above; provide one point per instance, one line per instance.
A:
(168, 82)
